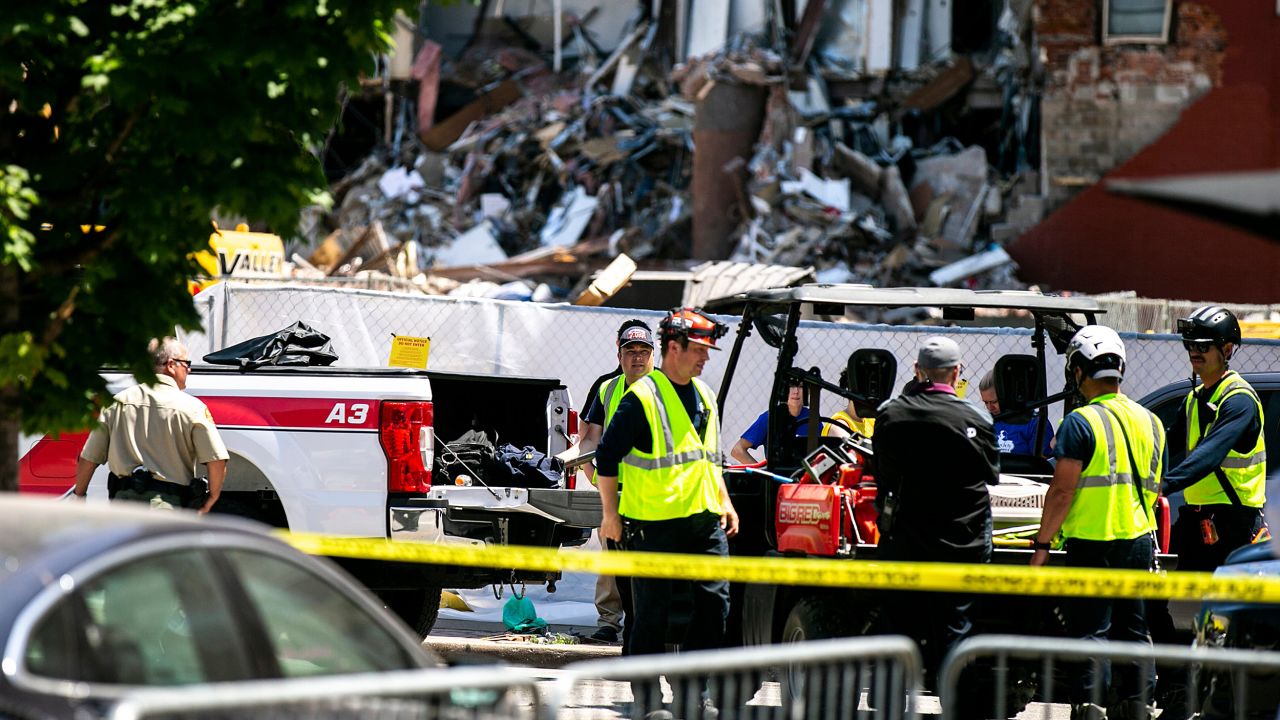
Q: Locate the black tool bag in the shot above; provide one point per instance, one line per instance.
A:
(297, 345)
(471, 455)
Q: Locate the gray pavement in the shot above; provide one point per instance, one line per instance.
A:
(469, 641)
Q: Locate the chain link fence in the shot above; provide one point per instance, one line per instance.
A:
(576, 344)
(1127, 313)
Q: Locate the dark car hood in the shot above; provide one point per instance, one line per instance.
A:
(1257, 559)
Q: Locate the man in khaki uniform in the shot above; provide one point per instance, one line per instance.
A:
(161, 429)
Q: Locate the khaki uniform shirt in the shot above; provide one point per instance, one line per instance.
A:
(158, 427)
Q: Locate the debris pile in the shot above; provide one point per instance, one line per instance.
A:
(542, 179)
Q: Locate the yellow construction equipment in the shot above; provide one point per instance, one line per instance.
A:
(239, 253)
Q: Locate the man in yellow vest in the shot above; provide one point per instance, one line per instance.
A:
(1223, 475)
(663, 445)
(1110, 457)
(1218, 441)
(635, 360)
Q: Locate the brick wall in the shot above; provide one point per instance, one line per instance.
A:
(1101, 104)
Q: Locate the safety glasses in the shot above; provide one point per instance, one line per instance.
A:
(711, 333)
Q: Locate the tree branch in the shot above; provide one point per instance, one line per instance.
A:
(116, 144)
(60, 318)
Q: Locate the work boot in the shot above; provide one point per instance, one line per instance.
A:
(1171, 698)
(1088, 711)
(605, 634)
(1130, 710)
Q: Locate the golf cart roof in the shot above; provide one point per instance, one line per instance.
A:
(921, 297)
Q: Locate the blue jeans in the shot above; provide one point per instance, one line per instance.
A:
(1110, 619)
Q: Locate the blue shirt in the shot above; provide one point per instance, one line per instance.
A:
(1020, 438)
(755, 434)
(1236, 427)
(1075, 439)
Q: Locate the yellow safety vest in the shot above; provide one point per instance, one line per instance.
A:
(1247, 472)
(681, 476)
(609, 395)
(862, 426)
(1106, 504)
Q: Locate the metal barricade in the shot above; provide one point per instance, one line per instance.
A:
(844, 678)
(1209, 683)
(472, 693)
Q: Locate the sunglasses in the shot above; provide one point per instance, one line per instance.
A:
(187, 363)
(1200, 346)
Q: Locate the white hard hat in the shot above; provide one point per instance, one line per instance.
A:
(1097, 350)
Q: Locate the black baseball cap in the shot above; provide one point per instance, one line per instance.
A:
(635, 334)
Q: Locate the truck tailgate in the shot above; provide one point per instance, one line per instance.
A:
(576, 508)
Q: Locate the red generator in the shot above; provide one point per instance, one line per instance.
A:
(831, 509)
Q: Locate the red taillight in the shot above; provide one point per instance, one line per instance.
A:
(571, 476)
(404, 429)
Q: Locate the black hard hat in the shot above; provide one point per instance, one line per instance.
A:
(1210, 323)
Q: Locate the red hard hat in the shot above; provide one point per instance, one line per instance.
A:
(693, 324)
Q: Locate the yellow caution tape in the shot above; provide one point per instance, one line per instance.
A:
(860, 574)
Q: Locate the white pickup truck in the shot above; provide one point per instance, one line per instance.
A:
(351, 452)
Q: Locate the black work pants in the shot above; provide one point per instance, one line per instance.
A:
(647, 630)
(651, 597)
(1110, 619)
(1235, 527)
(937, 621)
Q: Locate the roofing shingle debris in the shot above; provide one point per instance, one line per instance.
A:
(542, 188)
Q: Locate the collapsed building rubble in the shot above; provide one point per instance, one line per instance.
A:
(540, 180)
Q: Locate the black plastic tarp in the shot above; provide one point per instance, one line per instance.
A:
(298, 344)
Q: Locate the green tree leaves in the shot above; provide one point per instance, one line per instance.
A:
(122, 126)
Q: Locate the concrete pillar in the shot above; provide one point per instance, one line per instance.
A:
(726, 126)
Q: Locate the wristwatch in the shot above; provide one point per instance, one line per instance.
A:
(1037, 545)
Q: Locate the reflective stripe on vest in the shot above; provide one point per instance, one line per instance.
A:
(1106, 505)
(681, 475)
(1247, 471)
(611, 395)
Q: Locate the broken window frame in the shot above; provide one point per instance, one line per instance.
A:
(1117, 39)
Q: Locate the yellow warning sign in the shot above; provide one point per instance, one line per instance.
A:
(864, 574)
(1260, 329)
(409, 352)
